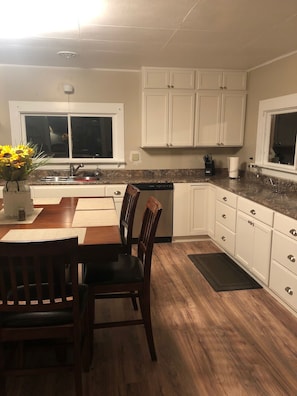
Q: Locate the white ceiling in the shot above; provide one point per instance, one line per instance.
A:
(239, 34)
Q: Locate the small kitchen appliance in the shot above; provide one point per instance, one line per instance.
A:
(209, 165)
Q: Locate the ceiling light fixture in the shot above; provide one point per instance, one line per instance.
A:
(67, 54)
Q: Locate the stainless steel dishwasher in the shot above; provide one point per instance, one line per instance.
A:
(164, 193)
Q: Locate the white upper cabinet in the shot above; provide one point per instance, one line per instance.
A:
(223, 80)
(220, 118)
(168, 118)
(168, 78)
(176, 112)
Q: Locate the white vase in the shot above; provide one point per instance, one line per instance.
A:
(16, 196)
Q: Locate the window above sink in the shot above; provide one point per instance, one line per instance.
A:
(92, 133)
(276, 148)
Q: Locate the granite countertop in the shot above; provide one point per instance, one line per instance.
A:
(282, 201)
(259, 190)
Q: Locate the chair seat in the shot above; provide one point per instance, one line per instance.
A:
(37, 319)
(126, 269)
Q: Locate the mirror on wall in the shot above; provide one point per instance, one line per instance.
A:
(276, 134)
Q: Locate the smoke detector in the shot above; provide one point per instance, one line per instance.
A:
(67, 54)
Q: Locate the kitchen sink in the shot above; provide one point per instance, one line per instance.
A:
(69, 179)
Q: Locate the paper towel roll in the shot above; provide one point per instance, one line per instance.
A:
(233, 167)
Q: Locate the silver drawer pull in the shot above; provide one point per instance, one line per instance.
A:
(289, 291)
(253, 212)
(225, 199)
(251, 223)
(223, 238)
(117, 192)
(293, 232)
(291, 258)
(224, 216)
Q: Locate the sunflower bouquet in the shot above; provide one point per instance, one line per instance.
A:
(16, 163)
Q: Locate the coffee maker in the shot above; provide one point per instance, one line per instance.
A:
(209, 165)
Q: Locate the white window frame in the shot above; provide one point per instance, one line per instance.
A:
(268, 108)
(19, 109)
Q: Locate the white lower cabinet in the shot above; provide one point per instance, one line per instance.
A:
(116, 191)
(211, 211)
(59, 191)
(226, 203)
(283, 273)
(253, 238)
(190, 209)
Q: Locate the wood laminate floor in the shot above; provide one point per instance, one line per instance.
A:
(230, 343)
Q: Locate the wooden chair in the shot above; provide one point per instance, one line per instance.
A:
(117, 279)
(38, 302)
(127, 217)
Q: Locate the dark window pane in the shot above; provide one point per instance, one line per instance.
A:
(49, 133)
(91, 137)
(283, 138)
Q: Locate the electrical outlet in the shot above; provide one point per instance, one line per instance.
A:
(135, 156)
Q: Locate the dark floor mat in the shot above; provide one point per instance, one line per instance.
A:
(222, 273)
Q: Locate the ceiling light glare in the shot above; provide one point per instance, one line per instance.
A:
(21, 19)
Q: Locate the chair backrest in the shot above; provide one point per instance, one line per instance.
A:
(39, 276)
(127, 216)
(147, 234)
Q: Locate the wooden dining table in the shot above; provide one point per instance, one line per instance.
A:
(101, 240)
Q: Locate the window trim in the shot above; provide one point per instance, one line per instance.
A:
(268, 108)
(18, 109)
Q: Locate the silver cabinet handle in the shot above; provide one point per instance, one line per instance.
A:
(251, 223)
(289, 291)
(223, 238)
(291, 258)
(117, 192)
(293, 232)
(225, 199)
(253, 212)
(224, 216)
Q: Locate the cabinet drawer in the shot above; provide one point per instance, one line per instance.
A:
(226, 215)
(286, 225)
(226, 197)
(256, 211)
(225, 238)
(115, 190)
(284, 250)
(284, 284)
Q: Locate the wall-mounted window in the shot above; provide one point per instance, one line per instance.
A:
(86, 132)
(277, 133)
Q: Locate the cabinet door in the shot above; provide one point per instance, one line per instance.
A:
(168, 78)
(181, 210)
(74, 190)
(254, 255)
(209, 79)
(181, 119)
(182, 79)
(156, 78)
(262, 248)
(232, 119)
(234, 80)
(207, 125)
(198, 209)
(211, 210)
(220, 79)
(155, 119)
(244, 232)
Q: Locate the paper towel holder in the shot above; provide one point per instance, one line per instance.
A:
(233, 167)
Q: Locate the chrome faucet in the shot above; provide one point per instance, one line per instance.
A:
(73, 169)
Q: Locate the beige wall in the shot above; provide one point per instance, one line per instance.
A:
(269, 81)
(46, 84)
